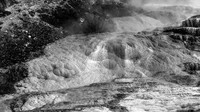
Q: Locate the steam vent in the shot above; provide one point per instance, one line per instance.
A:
(99, 56)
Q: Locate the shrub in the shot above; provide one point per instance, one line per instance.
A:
(57, 14)
(12, 75)
(17, 72)
(20, 42)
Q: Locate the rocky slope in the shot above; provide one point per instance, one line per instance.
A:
(128, 67)
(44, 69)
(73, 61)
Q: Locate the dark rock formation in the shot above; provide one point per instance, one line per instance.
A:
(184, 38)
(184, 30)
(191, 67)
(188, 33)
(191, 22)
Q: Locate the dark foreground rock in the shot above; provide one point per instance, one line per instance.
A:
(123, 95)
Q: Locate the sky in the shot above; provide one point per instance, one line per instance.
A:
(195, 3)
(192, 3)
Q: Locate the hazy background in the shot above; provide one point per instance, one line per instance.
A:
(192, 3)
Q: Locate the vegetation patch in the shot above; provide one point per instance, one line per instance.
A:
(24, 42)
(12, 75)
(58, 13)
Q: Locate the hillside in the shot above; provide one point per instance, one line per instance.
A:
(99, 56)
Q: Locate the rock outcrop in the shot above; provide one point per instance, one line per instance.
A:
(191, 22)
(188, 32)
